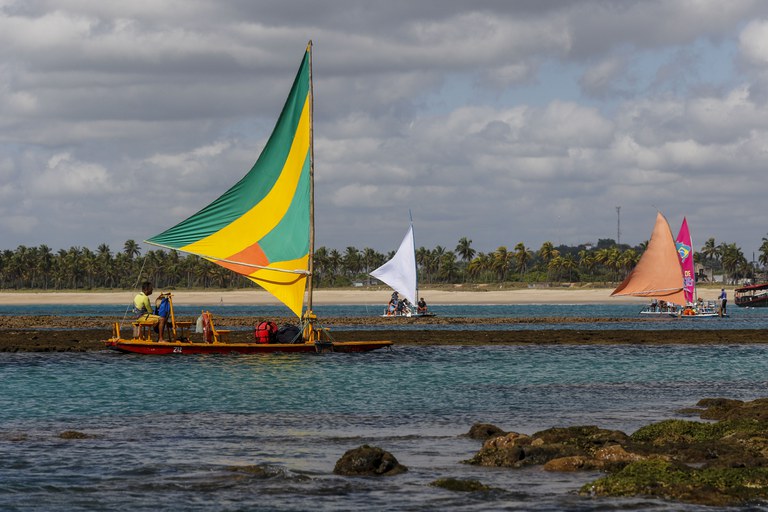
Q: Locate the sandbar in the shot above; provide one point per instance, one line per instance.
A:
(531, 295)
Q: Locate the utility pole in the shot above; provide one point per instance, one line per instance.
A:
(618, 225)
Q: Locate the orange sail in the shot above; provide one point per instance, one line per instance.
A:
(658, 274)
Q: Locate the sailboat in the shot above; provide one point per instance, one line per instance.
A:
(695, 307)
(400, 274)
(263, 229)
(659, 275)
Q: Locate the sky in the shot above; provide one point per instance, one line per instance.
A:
(500, 121)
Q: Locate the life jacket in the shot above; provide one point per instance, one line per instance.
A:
(264, 332)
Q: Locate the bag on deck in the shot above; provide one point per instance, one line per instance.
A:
(264, 332)
(289, 334)
(163, 308)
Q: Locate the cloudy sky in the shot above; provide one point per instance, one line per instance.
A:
(501, 121)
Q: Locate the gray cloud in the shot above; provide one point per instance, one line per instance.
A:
(499, 121)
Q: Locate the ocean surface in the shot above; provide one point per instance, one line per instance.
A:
(623, 316)
(177, 433)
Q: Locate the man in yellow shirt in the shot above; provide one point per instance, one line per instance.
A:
(143, 308)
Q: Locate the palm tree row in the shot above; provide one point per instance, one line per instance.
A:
(81, 268)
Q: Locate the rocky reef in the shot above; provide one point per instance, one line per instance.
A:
(720, 462)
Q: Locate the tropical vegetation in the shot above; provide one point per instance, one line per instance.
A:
(80, 268)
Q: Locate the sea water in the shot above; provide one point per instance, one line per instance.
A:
(178, 432)
(567, 316)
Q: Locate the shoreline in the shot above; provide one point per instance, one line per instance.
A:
(344, 296)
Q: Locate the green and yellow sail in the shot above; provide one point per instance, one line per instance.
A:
(260, 227)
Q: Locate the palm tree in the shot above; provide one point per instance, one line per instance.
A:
(522, 256)
(587, 261)
(547, 252)
(732, 260)
(335, 262)
(448, 271)
(352, 261)
(131, 249)
(464, 249)
(763, 259)
(500, 262)
(478, 265)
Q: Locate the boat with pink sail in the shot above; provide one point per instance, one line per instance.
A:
(665, 274)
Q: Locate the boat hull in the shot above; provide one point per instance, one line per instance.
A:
(136, 346)
(761, 302)
(414, 315)
(752, 296)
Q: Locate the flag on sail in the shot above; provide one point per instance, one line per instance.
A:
(685, 253)
(400, 272)
(260, 227)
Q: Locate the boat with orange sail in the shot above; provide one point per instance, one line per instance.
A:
(263, 229)
(664, 274)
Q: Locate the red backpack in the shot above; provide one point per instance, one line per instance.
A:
(264, 332)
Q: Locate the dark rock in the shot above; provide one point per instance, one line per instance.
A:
(74, 434)
(368, 461)
(483, 431)
(459, 485)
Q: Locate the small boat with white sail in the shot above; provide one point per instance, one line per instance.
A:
(401, 275)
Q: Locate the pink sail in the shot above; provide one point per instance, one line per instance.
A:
(685, 253)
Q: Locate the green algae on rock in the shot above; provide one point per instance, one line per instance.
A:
(723, 462)
(678, 482)
(460, 485)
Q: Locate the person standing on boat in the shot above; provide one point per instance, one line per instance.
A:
(723, 301)
(143, 308)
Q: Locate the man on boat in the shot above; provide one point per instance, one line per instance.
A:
(421, 306)
(723, 301)
(143, 309)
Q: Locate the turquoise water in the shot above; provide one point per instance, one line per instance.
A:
(166, 431)
(624, 316)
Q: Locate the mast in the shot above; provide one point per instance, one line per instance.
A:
(693, 265)
(415, 266)
(311, 268)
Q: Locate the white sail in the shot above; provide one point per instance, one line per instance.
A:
(400, 272)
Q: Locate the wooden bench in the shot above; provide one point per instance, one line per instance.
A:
(182, 330)
(145, 328)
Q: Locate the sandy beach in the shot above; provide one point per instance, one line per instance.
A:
(345, 296)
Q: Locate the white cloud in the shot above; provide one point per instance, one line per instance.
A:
(64, 176)
(753, 42)
(503, 122)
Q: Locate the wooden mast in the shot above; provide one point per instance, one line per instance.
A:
(311, 255)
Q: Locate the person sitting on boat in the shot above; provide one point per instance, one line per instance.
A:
(421, 306)
(391, 307)
(654, 305)
(143, 310)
